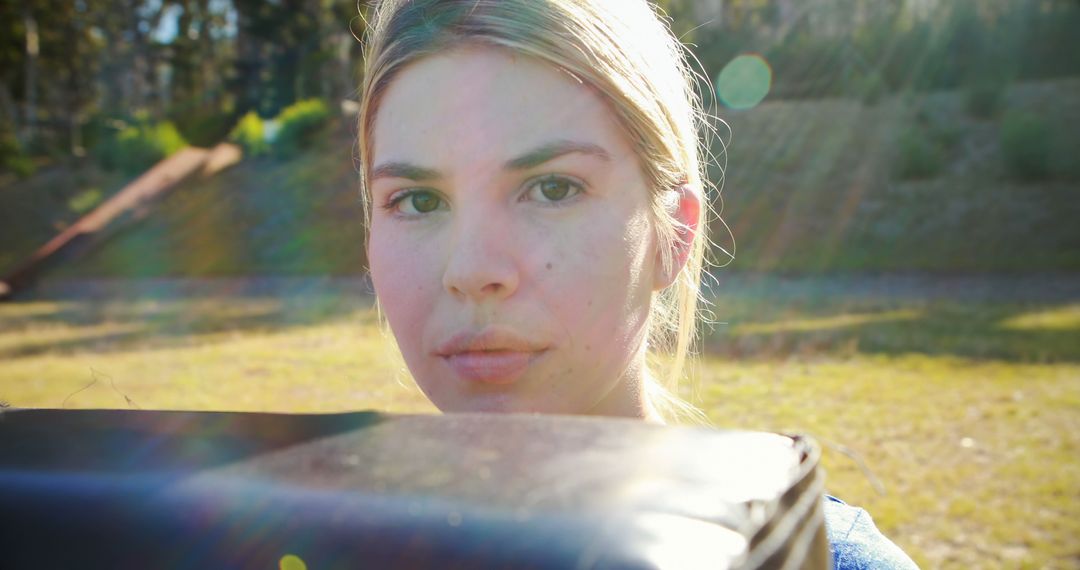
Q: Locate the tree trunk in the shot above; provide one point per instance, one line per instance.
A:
(138, 59)
(209, 94)
(32, 50)
(248, 62)
(10, 110)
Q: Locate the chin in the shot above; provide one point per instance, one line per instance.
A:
(497, 404)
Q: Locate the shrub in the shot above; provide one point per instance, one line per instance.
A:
(1065, 158)
(917, 156)
(141, 145)
(947, 134)
(202, 127)
(21, 165)
(1026, 146)
(298, 123)
(870, 88)
(145, 145)
(106, 150)
(12, 157)
(984, 99)
(85, 201)
(249, 134)
(95, 132)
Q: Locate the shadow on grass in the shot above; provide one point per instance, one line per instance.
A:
(37, 327)
(983, 330)
(810, 318)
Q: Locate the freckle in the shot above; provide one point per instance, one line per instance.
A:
(590, 303)
(587, 347)
(549, 265)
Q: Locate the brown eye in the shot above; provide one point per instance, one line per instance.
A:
(424, 202)
(416, 201)
(555, 190)
(552, 189)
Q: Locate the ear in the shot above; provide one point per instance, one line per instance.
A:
(685, 207)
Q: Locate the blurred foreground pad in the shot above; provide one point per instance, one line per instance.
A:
(140, 489)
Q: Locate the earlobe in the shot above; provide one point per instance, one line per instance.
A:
(684, 206)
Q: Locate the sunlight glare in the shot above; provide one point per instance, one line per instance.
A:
(292, 562)
(1058, 319)
(744, 82)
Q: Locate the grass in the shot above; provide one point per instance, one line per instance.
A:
(202, 354)
(36, 209)
(808, 188)
(263, 216)
(951, 414)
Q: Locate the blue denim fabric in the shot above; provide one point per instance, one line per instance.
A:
(856, 543)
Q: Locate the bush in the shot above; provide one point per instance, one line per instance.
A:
(947, 134)
(12, 157)
(918, 156)
(984, 100)
(1026, 146)
(139, 145)
(870, 88)
(96, 132)
(1065, 158)
(249, 134)
(204, 128)
(85, 201)
(20, 165)
(298, 123)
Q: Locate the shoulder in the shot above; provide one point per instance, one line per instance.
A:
(856, 543)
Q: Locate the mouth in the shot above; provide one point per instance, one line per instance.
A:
(491, 366)
(491, 356)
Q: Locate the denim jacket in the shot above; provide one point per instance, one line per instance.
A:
(856, 543)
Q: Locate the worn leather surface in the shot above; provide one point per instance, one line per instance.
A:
(123, 488)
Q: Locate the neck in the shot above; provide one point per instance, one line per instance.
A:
(630, 396)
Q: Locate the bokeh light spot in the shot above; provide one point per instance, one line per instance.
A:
(744, 82)
(291, 562)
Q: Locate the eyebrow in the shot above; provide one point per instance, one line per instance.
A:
(530, 159)
(553, 150)
(405, 170)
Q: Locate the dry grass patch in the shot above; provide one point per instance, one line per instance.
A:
(956, 423)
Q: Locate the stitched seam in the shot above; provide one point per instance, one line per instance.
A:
(858, 515)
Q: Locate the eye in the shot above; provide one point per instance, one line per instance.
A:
(551, 189)
(415, 202)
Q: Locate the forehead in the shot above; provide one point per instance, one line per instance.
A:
(487, 103)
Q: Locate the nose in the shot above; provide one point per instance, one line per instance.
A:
(482, 264)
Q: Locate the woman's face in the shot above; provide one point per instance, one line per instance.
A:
(511, 243)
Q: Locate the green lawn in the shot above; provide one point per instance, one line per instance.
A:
(953, 417)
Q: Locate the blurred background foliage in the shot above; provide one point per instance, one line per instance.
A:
(906, 135)
(897, 178)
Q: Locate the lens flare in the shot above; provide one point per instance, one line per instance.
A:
(292, 562)
(744, 82)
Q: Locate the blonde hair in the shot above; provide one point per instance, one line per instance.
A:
(624, 51)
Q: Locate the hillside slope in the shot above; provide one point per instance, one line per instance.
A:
(808, 190)
(34, 210)
(261, 217)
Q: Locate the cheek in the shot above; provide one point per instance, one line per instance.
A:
(598, 283)
(404, 281)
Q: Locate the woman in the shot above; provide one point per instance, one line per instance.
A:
(536, 211)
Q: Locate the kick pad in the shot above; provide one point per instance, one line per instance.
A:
(152, 489)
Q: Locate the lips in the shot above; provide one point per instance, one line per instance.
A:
(490, 356)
